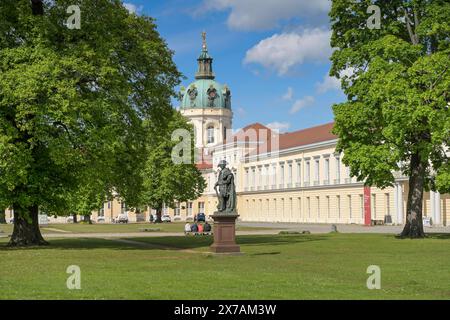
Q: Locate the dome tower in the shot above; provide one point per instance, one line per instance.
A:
(207, 104)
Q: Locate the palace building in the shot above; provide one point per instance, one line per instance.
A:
(280, 177)
(290, 177)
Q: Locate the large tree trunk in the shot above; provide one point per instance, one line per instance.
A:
(158, 215)
(2, 216)
(87, 218)
(26, 230)
(75, 219)
(414, 225)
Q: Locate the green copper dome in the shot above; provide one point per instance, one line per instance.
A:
(205, 92)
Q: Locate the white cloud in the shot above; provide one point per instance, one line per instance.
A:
(266, 14)
(332, 83)
(328, 84)
(283, 51)
(241, 112)
(281, 126)
(289, 94)
(132, 8)
(302, 103)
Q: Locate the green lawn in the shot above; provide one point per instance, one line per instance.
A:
(331, 266)
(114, 228)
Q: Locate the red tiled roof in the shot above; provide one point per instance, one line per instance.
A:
(203, 166)
(246, 134)
(299, 138)
(307, 136)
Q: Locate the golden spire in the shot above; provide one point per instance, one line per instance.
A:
(204, 41)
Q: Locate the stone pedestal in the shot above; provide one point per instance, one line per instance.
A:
(224, 233)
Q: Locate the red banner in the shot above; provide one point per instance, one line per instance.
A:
(367, 213)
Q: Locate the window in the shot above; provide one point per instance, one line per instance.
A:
(316, 171)
(177, 209)
(210, 134)
(253, 177)
(201, 207)
(189, 209)
(349, 198)
(338, 206)
(327, 169)
(101, 212)
(361, 206)
(299, 175)
(274, 175)
(318, 207)
(246, 178)
(290, 174)
(109, 204)
(307, 171)
(338, 170)
(282, 175)
(308, 206)
(267, 176)
(374, 206)
(388, 207)
(260, 177)
(328, 207)
(123, 207)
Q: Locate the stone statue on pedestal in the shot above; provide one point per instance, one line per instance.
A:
(227, 190)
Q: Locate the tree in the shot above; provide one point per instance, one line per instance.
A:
(165, 181)
(72, 106)
(397, 81)
(2, 216)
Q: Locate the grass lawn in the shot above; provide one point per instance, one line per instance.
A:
(331, 266)
(114, 228)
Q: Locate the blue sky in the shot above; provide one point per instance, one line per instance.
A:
(273, 54)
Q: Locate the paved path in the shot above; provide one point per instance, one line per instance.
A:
(138, 234)
(343, 228)
(276, 228)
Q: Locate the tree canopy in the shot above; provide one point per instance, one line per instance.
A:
(397, 80)
(167, 180)
(73, 104)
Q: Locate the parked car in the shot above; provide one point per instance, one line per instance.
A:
(101, 219)
(121, 218)
(201, 217)
(69, 219)
(166, 218)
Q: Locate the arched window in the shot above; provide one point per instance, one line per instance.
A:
(210, 134)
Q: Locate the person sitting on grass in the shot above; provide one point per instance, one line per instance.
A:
(194, 228)
(187, 228)
(200, 228)
(207, 227)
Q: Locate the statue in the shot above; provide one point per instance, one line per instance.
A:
(226, 215)
(227, 190)
(212, 95)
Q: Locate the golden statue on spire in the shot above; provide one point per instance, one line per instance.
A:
(204, 40)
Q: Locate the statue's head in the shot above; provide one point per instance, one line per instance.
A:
(222, 164)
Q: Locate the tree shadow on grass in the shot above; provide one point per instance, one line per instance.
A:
(163, 243)
(278, 239)
(440, 236)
